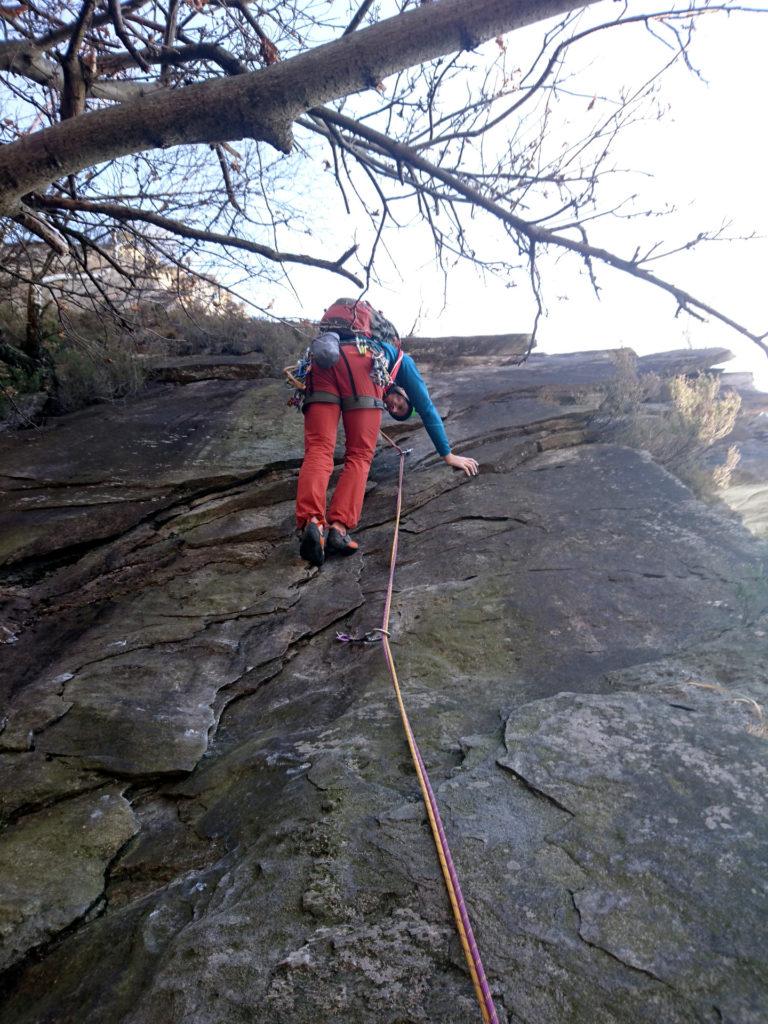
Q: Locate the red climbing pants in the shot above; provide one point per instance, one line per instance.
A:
(361, 429)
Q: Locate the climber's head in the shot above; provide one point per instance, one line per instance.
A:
(398, 404)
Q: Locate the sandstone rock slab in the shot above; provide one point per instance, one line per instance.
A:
(668, 824)
(52, 866)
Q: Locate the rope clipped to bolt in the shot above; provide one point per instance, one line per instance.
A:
(461, 917)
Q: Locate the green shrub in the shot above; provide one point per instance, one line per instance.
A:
(87, 356)
(721, 475)
(15, 382)
(224, 329)
(625, 392)
(678, 433)
(700, 411)
(19, 375)
(85, 376)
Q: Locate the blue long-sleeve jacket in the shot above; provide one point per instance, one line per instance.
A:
(410, 380)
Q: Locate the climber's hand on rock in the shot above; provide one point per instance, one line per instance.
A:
(469, 466)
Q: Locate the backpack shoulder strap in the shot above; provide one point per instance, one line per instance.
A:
(396, 364)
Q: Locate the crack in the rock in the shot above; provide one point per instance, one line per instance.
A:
(35, 806)
(554, 568)
(60, 603)
(700, 574)
(528, 431)
(613, 577)
(52, 485)
(421, 501)
(34, 733)
(490, 519)
(92, 912)
(414, 531)
(532, 788)
(207, 621)
(224, 514)
(432, 461)
(413, 505)
(86, 504)
(49, 562)
(281, 662)
(404, 589)
(41, 566)
(613, 956)
(61, 689)
(35, 954)
(552, 840)
(293, 647)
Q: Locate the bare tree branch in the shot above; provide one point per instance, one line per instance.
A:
(73, 92)
(58, 35)
(261, 104)
(88, 243)
(122, 35)
(405, 155)
(543, 190)
(176, 56)
(557, 54)
(361, 12)
(43, 230)
(30, 62)
(126, 213)
(170, 35)
(227, 179)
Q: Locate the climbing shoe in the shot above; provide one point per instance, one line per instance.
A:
(312, 547)
(341, 543)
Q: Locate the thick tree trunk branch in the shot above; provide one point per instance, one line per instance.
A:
(30, 61)
(43, 230)
(74, 92)
(176, 56)
(262, 104)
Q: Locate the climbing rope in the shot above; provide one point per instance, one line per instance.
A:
(463, 926)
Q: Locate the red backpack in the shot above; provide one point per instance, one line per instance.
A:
(352, 320)
(357, 316)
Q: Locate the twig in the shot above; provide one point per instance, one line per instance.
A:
(176, 227)
(121, 33)
(360, 14)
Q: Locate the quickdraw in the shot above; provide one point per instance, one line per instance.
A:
(296, 375)
(373, 636)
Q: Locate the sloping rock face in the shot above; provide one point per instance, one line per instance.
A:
(280, 344)
(188, 369)
(747, 491)
(210, 813)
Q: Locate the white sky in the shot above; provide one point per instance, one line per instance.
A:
(707, 158)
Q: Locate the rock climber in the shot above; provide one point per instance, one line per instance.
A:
(358, 387)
